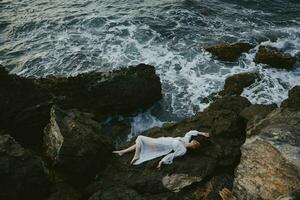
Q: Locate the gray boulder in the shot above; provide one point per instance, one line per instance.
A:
(75, 145)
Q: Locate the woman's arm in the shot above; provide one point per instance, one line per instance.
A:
(191, 133)
(168, 159)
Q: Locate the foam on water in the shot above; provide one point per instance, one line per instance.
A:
(80, 36)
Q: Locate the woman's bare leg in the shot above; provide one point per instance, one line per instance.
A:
(129, 149)
(137, 149)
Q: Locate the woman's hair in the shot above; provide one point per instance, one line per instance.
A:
(199, 138)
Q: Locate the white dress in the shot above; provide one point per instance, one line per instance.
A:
(151, 148)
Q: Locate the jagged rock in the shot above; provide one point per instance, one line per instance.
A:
(275, 58)
(229, 52)
(115, 92)
(22, 174)
(221, 153)
(75, 144)
(235, 84)
(175, 182)
(270, 162)
(254, 114)
(293, 195)
(293, 100)
(25, 102)
(210, 190)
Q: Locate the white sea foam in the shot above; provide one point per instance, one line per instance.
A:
(169, 34)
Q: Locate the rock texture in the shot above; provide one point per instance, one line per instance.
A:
(254, 114)
(74, 143)
(234, 85)
(187, 173)
(229, 52)
(293, 102)
(270, 162)
(25, 102)
(22, 174)
(275, 58)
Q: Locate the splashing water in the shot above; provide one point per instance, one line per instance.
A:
(39, 37)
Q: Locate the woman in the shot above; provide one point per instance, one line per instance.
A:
(147, 148)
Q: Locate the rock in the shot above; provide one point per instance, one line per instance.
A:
(22, 174)
(229, 52)
(63, 191)
(117, 129)
(121, 91)
(235, 84)
(176, 182)
(293, 195)
(293, 101)
(120, 193)
(275, 58)
(25, 102)
(226, 194)
(74, 144)
(210, 190)
(270, 162)
(221, 153)
(254, 114)
(24, 108)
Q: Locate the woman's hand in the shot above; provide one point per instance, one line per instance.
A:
(159, 165)
(205, 134)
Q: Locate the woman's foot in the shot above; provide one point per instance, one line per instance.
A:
(133, 160)
(120, 153)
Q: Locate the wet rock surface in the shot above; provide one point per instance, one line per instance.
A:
(22, 174)
(275, 58)
(25, 102)
(234, 85)
(229, 52)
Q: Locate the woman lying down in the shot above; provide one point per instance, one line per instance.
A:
(147, 148)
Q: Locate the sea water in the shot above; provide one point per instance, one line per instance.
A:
(42, 37)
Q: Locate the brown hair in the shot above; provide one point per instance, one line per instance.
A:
(199, 138)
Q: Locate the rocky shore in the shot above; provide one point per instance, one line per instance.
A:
(54, 146)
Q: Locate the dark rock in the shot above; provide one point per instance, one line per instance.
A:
(63, 191)
(254, 114)
(120, 192)
(117, 92)
(235, 84)
(210, 190)
(24, 108)
(293, 100)
(74, 144)
(25, 102)
(275, 58)
(220, 154)
(22, 175)
(233, 103)
(229, 52)
(117, 129)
